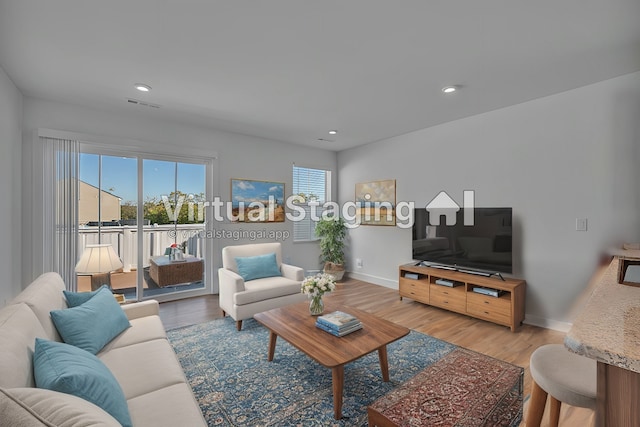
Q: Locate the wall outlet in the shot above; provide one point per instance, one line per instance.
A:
(581, 224)
(358, 263)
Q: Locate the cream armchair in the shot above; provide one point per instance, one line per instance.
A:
(242, 299)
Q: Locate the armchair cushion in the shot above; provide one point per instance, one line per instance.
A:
(230, 253)
(258, 267)
(266, 288)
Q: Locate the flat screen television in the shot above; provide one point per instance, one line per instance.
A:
(485, 246)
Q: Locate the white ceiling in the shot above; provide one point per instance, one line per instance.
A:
(293, 69)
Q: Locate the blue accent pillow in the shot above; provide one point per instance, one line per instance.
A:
(257, 267)
(93, 324)
(75, 299)
(68, 369)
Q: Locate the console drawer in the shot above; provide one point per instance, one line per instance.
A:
(500, 305)
(415, 290)
(489, 308)
(450, 298)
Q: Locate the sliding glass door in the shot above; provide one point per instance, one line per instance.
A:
(174, 195)
(150, 209)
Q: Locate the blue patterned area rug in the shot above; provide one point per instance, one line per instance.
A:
(236, 386)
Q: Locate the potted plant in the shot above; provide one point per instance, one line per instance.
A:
(332, 232)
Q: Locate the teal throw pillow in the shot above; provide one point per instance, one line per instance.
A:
(93, 324)
(75, 299)
(67, 369)
(257, 267)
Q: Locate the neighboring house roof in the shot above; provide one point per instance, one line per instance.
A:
(104, 191)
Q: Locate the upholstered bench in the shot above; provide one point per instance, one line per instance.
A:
(464, 388)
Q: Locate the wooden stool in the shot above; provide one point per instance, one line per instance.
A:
(563, 375)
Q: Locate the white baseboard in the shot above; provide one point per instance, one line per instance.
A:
(392, 284)
(542, 322)
(529, 319)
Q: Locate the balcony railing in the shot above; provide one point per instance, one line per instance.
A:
(155, 240)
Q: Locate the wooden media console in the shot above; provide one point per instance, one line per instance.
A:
(505, 309)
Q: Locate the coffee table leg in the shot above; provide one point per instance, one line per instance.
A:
(384, 363)
(338, 384)
(272, 345)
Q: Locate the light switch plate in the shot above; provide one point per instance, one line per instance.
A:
(581, 224)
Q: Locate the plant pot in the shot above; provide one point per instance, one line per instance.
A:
(334, 270)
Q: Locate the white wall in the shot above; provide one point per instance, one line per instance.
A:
(239, 156)
(10, 187)
(554, 159)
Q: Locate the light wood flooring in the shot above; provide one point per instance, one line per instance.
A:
(484, 337)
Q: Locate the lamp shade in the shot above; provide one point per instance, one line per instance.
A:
(98, 259)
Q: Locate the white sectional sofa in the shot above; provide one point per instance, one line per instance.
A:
(141, 359)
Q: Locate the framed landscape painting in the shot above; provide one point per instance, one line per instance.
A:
(257, 201)
(376, 202)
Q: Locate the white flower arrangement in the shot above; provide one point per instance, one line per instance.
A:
(318, 285)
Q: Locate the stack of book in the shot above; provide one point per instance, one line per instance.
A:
(338, 323)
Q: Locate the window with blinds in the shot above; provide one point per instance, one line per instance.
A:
(311, 185)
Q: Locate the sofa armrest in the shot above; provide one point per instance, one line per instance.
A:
(292, 272)
(137, 310)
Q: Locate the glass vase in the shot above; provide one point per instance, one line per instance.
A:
(316, 306)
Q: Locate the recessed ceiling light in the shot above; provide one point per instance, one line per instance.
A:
(449, 89)
(142, 87)
(333, 132)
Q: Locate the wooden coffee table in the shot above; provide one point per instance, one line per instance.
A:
(294, 324)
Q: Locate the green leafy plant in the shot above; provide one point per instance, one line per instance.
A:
(331, 232)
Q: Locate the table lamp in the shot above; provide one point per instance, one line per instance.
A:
(99, 261)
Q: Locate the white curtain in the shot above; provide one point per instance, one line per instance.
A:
(60, 207)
